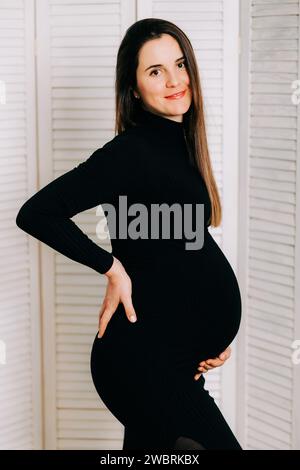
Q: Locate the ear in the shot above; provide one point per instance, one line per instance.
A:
(135, 93)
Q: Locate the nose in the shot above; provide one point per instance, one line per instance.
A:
(173, 80)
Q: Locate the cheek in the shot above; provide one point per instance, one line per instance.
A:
(152, 89)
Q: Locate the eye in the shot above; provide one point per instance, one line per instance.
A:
(180, 63)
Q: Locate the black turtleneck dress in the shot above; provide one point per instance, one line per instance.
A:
(188, 302)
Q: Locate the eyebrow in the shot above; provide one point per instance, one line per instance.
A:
(160, 65)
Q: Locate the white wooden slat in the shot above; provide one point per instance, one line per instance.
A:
(270, 317)
(64, 426)
(264, 363)
(277, 310)
(271, 357)
(269, 429)
(267, 346)
(277, 248)
(267, 416)
(89, 444)
(269, 377)
(90, 433)
(282, 403)
(266, 442)
(273, 257)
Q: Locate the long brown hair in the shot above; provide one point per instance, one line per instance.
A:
(127, 106)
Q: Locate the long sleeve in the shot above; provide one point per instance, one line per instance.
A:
(105, 175)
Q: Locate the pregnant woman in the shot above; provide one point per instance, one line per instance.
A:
(184, 295)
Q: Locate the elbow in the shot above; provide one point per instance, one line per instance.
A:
(25, 217)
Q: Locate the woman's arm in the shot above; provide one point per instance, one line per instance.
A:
(101, 178)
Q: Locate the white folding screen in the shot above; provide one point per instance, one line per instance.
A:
(270, 218)
(20, 371)
(76, 55)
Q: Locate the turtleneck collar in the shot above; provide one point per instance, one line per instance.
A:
(160, 122)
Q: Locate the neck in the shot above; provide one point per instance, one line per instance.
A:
(161, 122)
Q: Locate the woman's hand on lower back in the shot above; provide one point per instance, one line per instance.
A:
(119, 289)
(204, 366)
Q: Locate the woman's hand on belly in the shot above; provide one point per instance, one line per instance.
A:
(119, 289)
(204, 366)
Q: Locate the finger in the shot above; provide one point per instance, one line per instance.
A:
(129, 309)
(100, 314)
(206, 367)
(225, 354)
(100, 330)
(205, 364)
(105, 318)
(214, 362)
(196, 377)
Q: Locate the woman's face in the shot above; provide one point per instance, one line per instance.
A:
(169, 76)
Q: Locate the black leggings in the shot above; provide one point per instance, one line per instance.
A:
(192, 420)
(135, 441)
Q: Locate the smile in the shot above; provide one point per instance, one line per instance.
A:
(176, 96)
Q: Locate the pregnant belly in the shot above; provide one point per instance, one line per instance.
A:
(214, 301)
(189, 301)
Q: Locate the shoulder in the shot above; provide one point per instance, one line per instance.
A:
(119, 156)
(123, 147)
(130, 139)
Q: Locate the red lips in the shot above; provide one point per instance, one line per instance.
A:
(180, 94)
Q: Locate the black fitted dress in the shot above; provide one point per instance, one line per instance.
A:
(188, 302)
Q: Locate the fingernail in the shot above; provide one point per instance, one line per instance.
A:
(222, 356)
(132, 318)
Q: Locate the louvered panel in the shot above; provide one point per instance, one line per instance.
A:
(271, 318)
(78, 422)
(19, 399)
(84, 39)
(282, 404)
(262, 441)
(274, 56)
(267, 346)
(202, 21)
(263, 306)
